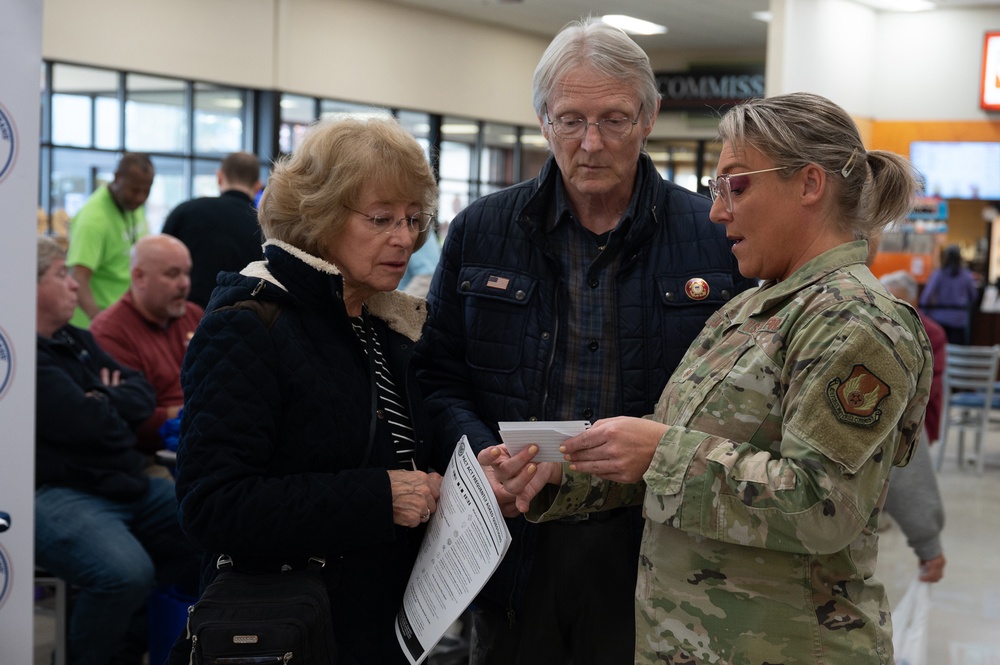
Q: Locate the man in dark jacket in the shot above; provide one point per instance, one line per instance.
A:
(221, 232)
(101, 523)
(571, 297)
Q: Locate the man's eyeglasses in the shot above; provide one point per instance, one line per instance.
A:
(615, 127)
(727, 183)
(416, 223)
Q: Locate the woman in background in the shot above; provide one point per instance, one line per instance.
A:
(950, 294)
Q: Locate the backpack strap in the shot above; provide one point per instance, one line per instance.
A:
(266, 310)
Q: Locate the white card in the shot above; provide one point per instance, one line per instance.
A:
(547, 435)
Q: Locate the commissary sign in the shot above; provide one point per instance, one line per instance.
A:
(709, 89)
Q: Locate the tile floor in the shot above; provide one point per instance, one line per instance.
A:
(965, 605)
(964, 623)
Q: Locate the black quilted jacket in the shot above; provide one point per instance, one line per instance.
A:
(84, 430)
(490, 354)
(275, 427)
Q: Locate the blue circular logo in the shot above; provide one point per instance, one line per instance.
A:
(8, 143)
(6, 363)
(5, 575)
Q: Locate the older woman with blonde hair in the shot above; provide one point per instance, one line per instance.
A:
(765, 464)
(303, 433)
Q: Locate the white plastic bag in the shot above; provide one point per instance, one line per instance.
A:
(909, 624)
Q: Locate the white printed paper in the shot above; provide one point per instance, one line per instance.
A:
(465, 541)
(548, 435)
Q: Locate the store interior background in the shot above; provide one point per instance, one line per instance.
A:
(903, 76)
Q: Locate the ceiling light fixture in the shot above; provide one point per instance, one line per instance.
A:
(634, 26)
(899, 5)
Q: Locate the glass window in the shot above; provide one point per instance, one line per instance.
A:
(711, 151)
(156, 117)
(206, 183)
(419, 125)
(86, 136)
(678, 162)
(453, 196)
(218, 119)
(329, 108)
(534, 152)
(74, 177)
(496, 163)
(188, 126)
(169, 188)
(79, 94)
(297, 112)
(108, 133)
(457, 148)
(75, 120)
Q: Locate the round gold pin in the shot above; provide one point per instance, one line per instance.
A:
(696, 288)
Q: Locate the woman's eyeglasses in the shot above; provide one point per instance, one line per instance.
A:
(416, 223)
(727, 183)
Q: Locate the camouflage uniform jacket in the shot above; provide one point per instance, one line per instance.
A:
(761, 500)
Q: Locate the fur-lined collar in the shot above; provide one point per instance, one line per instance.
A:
(404, 313)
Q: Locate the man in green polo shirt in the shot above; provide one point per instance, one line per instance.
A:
(102, 233)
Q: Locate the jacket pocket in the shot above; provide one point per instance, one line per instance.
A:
(708, 289)
(496, 311)
(687, 301)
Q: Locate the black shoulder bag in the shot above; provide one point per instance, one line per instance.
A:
(257, 618)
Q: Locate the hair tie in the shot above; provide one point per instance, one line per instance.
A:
(849, 166)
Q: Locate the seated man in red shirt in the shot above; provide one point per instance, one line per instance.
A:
(149, 328)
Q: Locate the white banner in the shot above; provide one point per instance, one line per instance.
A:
(21, 57)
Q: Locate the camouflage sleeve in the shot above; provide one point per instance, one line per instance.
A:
(582, 493)
(852, 389)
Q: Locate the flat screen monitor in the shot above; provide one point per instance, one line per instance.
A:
(958, 169)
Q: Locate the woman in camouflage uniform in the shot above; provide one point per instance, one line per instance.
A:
(765, 465)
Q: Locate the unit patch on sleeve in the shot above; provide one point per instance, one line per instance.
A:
(855, 399)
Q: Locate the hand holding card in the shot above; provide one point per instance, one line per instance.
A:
(547, 435)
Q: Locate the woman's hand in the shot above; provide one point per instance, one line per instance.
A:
(414, 496)
(517, 476)
(618, 449)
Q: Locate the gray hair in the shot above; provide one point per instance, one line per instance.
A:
(608, 50)
(872, 188)
(902, 282)
(48, 252)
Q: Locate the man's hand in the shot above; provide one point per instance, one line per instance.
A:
(618, 449)
(518, 475)
(932, 570)
(111, 378)
(88, 304)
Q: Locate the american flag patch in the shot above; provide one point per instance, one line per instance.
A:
(495, 282)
